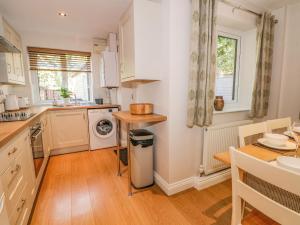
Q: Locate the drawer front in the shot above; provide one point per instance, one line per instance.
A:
(21, 210)
(13, 180)
(12, 150)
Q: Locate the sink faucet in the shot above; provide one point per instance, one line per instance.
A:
(75, 99)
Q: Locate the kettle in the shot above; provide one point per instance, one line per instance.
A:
(11, 103)
(23, 102)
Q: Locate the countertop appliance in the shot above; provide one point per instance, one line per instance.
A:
(11, 103)
(23, 102)
(15, 116)
(37, 147)
(102, 128)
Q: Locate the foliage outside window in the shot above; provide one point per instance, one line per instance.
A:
(227, 59)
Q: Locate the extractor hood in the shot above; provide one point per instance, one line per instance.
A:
(6, 46)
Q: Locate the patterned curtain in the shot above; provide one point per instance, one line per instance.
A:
(202, 63)
(261, 90)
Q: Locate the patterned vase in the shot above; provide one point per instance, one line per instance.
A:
(219, 103)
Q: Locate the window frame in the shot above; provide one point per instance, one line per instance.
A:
(236, 78)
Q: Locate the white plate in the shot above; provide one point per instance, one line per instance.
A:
(289, 145)
(288, 162)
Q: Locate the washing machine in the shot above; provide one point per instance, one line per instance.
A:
(102, 128)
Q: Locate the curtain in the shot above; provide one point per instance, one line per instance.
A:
(202, 63)
(261, 90)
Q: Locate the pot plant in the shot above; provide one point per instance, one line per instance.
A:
(65, 94)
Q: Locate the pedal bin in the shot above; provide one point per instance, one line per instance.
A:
(141, 142)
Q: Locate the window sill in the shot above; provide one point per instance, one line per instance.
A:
(232, 110)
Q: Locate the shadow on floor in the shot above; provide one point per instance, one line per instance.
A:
(220, 212)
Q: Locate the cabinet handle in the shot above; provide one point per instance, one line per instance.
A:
(8, 68)
(22, 205)
(13, 151)
(17, 168)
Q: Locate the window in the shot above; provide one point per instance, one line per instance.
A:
(53, 69)
(228, 54)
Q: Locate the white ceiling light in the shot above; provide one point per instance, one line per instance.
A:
(63, 14)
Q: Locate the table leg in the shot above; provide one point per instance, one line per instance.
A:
(129, 160)
(118, 147)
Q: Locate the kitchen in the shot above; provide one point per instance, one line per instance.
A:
(93, 102)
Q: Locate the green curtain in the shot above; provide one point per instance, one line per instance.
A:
(264, 55)
(202, 63)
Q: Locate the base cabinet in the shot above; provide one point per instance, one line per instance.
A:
(69, 128)
(17, 181)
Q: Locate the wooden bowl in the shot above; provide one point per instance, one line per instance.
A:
(141, 108)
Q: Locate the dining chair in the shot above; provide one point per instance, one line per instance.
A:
(278, 177)
(279, 125)
(249, 134)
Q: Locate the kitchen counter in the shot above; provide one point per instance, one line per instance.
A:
(8, 130)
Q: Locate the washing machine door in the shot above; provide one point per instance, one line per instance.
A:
(104, 128)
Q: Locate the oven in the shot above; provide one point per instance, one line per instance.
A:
(37, 147)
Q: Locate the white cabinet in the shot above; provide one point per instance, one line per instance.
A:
(3, 212)
(11, 64)
(140, 40)
(69, 128)
(17, 179)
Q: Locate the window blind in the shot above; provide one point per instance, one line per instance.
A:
(59, 60)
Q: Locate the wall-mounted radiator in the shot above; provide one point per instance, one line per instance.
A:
(217, 139)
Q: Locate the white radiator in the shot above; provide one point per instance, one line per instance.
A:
(218, 139)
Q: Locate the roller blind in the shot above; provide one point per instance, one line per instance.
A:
(59, 60)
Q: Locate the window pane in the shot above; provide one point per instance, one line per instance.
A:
(226, 67)
(78, 83)
(50, 83)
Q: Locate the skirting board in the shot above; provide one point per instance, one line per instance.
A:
(213, 179)
(173, 188)
(69, 150)
(197, 182)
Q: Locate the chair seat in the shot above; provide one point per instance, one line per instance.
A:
(257, 218)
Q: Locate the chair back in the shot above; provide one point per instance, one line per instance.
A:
(251, 132)
(272, 174)
(279, 125)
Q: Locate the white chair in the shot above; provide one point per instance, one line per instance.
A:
(280, 177)
(251, 130)
(282, 123)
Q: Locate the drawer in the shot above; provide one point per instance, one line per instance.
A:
(21, 211)
(11, 151)
(13, 180)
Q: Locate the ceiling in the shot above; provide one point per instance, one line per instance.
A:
(86, 18)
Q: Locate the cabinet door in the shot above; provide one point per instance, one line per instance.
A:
(3, 213)
(127, 45)
(69, 128)
(46, 135)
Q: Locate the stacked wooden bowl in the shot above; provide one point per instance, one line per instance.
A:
(141, 108)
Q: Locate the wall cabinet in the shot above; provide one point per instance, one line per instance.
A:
(17, 180)
(11, 64)
(69, 128)
(140, 39)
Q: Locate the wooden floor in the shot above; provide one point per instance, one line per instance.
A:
(83, 189)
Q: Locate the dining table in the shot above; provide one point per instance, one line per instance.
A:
(269, 155)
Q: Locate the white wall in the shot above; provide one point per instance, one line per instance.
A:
(58, 41)
(289, 104)
(178, 152)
